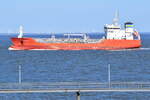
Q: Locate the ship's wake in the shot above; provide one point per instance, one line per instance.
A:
(136, 49)
(144, 48)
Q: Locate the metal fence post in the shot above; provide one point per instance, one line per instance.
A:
(78, 95)
(19, 80)
(109, 80)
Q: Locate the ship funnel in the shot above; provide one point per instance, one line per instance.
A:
(129, 27)
(20, 32)
(116, 18)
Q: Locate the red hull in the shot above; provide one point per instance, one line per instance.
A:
(31, 44)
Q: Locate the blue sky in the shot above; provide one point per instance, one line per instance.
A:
(71, 15)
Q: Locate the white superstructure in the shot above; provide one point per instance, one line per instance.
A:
(114, 31)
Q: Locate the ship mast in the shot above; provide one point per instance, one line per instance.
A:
(116, 19)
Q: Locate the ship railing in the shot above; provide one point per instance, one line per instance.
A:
(75, 34)
(65, 40)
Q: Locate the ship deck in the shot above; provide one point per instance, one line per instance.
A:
(66, 40)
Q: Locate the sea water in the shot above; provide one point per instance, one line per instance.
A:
(75, 66)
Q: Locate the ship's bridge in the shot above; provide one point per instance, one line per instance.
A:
(114, 31)
(112, 26)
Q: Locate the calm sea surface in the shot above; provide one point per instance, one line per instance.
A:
(75, 66)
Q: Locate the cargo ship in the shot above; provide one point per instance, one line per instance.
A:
(115, 38)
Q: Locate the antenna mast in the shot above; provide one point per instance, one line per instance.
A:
(116, 19)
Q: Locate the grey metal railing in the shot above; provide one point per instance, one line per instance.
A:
(76, 85)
